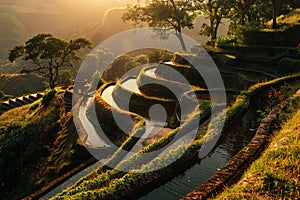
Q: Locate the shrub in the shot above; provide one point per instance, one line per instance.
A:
(227, 40)
(119, 67)
(284, 37)
(48, 97)
(158, 55)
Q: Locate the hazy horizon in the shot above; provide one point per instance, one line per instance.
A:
(22, 19)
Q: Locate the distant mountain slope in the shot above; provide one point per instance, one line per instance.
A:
(17, 84)
(20, 20)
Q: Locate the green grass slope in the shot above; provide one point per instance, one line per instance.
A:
(38, 143)
(275, 175)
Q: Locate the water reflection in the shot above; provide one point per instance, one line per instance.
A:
(107, 96)
(130, 84)
(238, 137)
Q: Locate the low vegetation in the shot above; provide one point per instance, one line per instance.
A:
(26, 133)
(127, 62)
(275, 175)
(37, 144)
(107, 183)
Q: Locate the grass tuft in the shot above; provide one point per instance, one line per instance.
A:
(275, 175)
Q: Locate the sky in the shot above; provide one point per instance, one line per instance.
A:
(21, 19)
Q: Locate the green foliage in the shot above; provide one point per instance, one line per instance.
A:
(119, 67)
(275, 175)
(249, 17)
(25, 138)
(170, 14)
(227, 40)
(48, 96)
(158, 55)
(287, 19)
(215, 11)
(283, 37)
(64, 152)
(113, 184)
(239, 33)
(65, 78)
(48, 55)
(275, 96)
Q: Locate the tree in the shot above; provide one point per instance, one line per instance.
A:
(167, 14)
(214, 11)
(242, 11)
(274, 24)
(245, 12)
(48, 55)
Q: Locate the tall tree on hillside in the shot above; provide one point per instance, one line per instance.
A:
(242, 11)
(168, 14)
(214, 11)
(245, 12)
(274, 16)
(48, 54)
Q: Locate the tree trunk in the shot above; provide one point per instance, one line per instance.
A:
(51, 83)
(274, 25)
(242, 18)
(50, 76)
(215, 33)
(179, 35)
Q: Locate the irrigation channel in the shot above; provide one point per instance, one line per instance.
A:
(238, 137)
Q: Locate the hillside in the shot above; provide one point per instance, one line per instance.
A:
(275, 175)
(291, 18)
(19, 84)
(38, 142)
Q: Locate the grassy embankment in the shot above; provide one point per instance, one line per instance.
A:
(275, 175)
(38, 143)
(107, 184)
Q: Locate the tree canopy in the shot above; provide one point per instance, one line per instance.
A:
(168, 14)
(48, 54)
(214, 11)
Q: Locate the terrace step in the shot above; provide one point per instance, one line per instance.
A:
(15, 103)
(26, 99)
(152, 86)
(68, 97)
(140, 104)
(19, 101)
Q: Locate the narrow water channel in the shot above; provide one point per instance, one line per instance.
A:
(107, 96)
(131, 85)
(186, 182)
(183, 184)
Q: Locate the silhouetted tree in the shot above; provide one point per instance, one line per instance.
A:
(214, 11)
(48, 54)
(168, 14)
